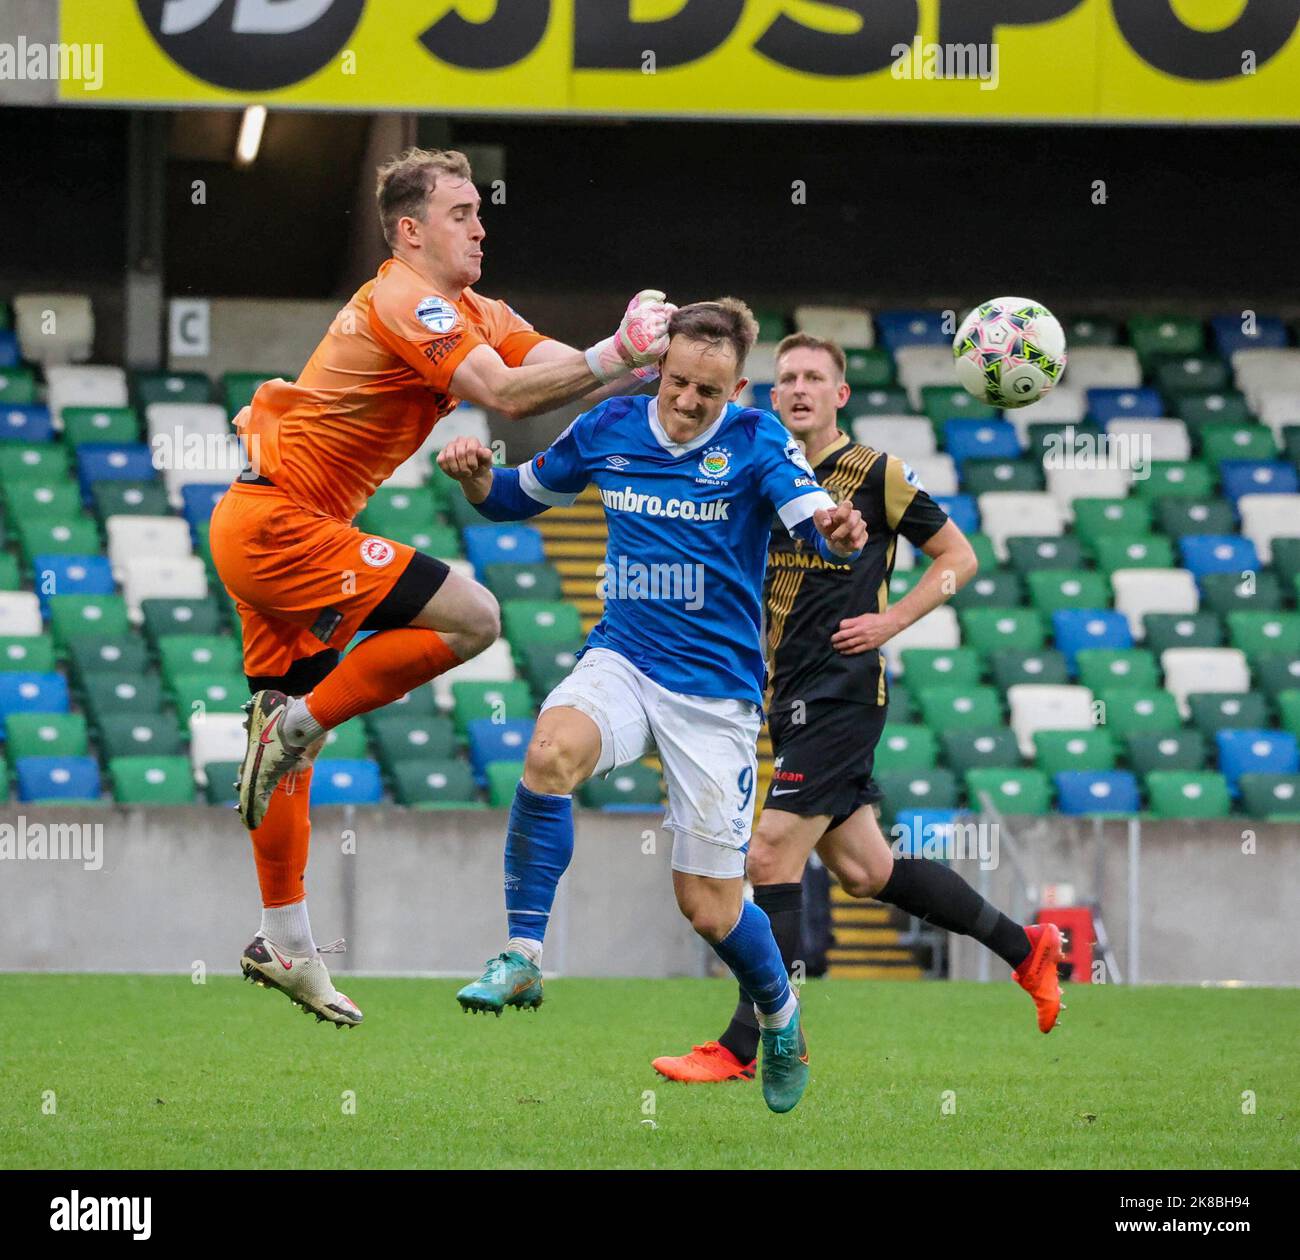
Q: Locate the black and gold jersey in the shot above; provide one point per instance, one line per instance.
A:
(807, 597)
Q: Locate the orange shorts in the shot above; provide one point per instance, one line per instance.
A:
(302, 582)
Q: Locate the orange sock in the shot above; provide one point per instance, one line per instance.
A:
(280, 844)
(379, 670)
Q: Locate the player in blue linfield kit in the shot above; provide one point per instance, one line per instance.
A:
(689, 480)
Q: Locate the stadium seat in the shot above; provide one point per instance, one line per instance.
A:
(974, 750)
(39, 500)
(1053, 589)
(57, 780)
(1064, 405)
(219, 779)
(961, 508)
(1009, 791)
(993, 629)
(219, 738)
(914, 328)
(957, 707)
(1217, 553)
(502, 544)
(931, 667)
(868, 367)
(936, 473)
(1071, 487)
(1286, 559)
(1199, 408)
(1105, 405)
(496, 701)
(178, 428)
(106, 461)
(1113, 518)
(1104, 367)
(128, 498)
(181, 654)
(980, 439)
(31, 653)
(25, 423)
(502, 783)
(170, 387)
(346, 783)
(199, 498)
(907, 791)
(1100, 668)
(1074, 629)
(1091, 330)
(435, 784)
(34, 734)
(1165, 750)
(1225, 593)
(1181, 373)
(206, 692)
(216, 463)
(24, 692)
(1187, 794)
(930, 366)
(1056, 751)
(497, 741)
(464, 421)
(130, 734)
(1213, 711)
(1169, 630)
(154, 577)
(345, 743)
(1172, 479)
(1265, 517)
(130, 537)
(1259, 372)
(938, 629)
(1153, 336)
(402, 737)
(54, 328)
(1246, 751)
(180, 617)
(544, 665)
(1264, 331)
(1006, 514)
(1263, 633)
(1243, 477)
(881, 402)
(990, 590)
(1114, 552)
(1177, 516)
(908, 437)
(1011, 666)
(906, 747)
(68, 386)
(989, 476)
(1029, 553)
(523, 581)
(42, 541)
(390, 510)
(634, 788)
(1280, 411)
(1190, 671)
(93, 654)
(238, 388)
(1288, 709)
(1219, 442)
(1039, 707)
(1273, 797)
(147, 779)
(1097, 792)
(1278, 672)
(1142, 591)
(1142, 440)
(848, 325)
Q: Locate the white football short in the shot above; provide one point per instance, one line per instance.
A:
(707, 746)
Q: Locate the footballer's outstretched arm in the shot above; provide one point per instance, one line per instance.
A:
(631, 382)
(507, 494)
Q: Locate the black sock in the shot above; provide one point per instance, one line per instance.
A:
(936, 893)
(783, 905)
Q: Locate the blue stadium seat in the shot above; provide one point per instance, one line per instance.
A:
(58, 778)
(71, 575)
(762, 395)
(919, 832)
(494, 741)
(8, 349)
(28, 423)
(1270, 334)
(198, 500)
(501, 544)
(1105, 405)
(980, 439)
(963, 509)
(24, 692)
(912, 328)
(107, 461)
(1097, 792)
(1077, 628)
(1243, 751)
(1217, 553)
(347, 782)
(1251, 476)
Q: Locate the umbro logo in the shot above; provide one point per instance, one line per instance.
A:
(617, 461)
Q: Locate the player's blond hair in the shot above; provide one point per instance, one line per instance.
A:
(806, 341)
(407, 181)
(726, 320)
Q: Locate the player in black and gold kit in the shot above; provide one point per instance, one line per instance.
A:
(827, 701)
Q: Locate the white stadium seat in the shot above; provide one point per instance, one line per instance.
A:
(1140, 591)
(908, 437)
(919, 366)
(849, 325)
(84, 387)
(1151, 439)
(1188, 671)
(1279, 408)
(165, 419)
(162, 577)
(494, 665)
(937, 629)
(463, 422)
(936, 473)
(904, 555)
(1041, 707)
(213, 460)
(1260, 373)
(216, 737)
(155, 536)
(412, 473)
(1063, 405)
(54, 327)
(1018, 513)
(1265, 517)
(1104, 367)
(760, 365)
(1067, 484)
(20, 614)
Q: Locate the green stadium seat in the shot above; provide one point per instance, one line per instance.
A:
(976, 750)
(1187, 794)
(908, 790)
(439, 783)
(1012, 791)
(220, 786)
(635, 786)
(1178, 517)
(1181, 375)
(1011, 666)
(527, 621)
(208, 692)
(1028, 553)
(500, 701)
(170, 387)
(1223, 593)
(1263, 633)
(981, 544)
(48, 536)
(993, 629)
(238, 388)
(1174, 479)
(1054, 436)
(1165, 750)
(772, 324)
(544, 665)
(107, 695)
(1100, 668)
(149, 780)
(391, 510)
(462, 512)
(422, 702)
(1091, 330)
(1094, 518)
(43, 499)
(1118, 551)
(502, 781)
(33, 654)
(442, 541)
(992, 588)
(960, 708)
(181, 618)
(1170, 630)
(10, 572)
(1236, 441)
(902, 708)
(901, 581)
(29, 461)
(345, 743)
(950, 402)
(17, 386)
(523, 581)
(1286, 558)
(1288, 709)
(1273, 797)
(1155, 335)
(868, 369)
(184, 655)
(75, 616)
(941, 667)
(1200, 408)
(1291, 443)
(129, 498)
(879, 402)
(45, 735)
(1277, 672)
(1053, 589)
(1132, 709)
(980, 476)
(140, 734)
(1217, 710)
(100, 424)
(4, 765)
(401, 738)
(1056, 751)
(906, 747)
(105, 654)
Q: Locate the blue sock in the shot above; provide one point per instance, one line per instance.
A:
(750, 950)
(539, 845)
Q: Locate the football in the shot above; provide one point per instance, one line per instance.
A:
(1010, 351)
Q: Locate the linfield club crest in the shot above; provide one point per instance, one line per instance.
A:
(716, 462)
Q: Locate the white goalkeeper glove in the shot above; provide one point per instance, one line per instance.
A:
(640, 342)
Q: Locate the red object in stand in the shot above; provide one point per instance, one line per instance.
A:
(1075, 923)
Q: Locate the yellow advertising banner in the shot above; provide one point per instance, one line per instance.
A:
(1011, 60)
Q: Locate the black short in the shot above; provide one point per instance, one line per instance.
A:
(823, 764)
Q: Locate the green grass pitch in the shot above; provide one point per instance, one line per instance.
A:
(156, 1072)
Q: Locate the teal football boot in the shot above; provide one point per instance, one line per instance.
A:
(509, 980)
(785, 1065)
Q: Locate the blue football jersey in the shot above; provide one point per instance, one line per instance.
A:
(689, 525)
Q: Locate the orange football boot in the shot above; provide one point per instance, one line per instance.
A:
(710, 1062)
(1037, 974)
